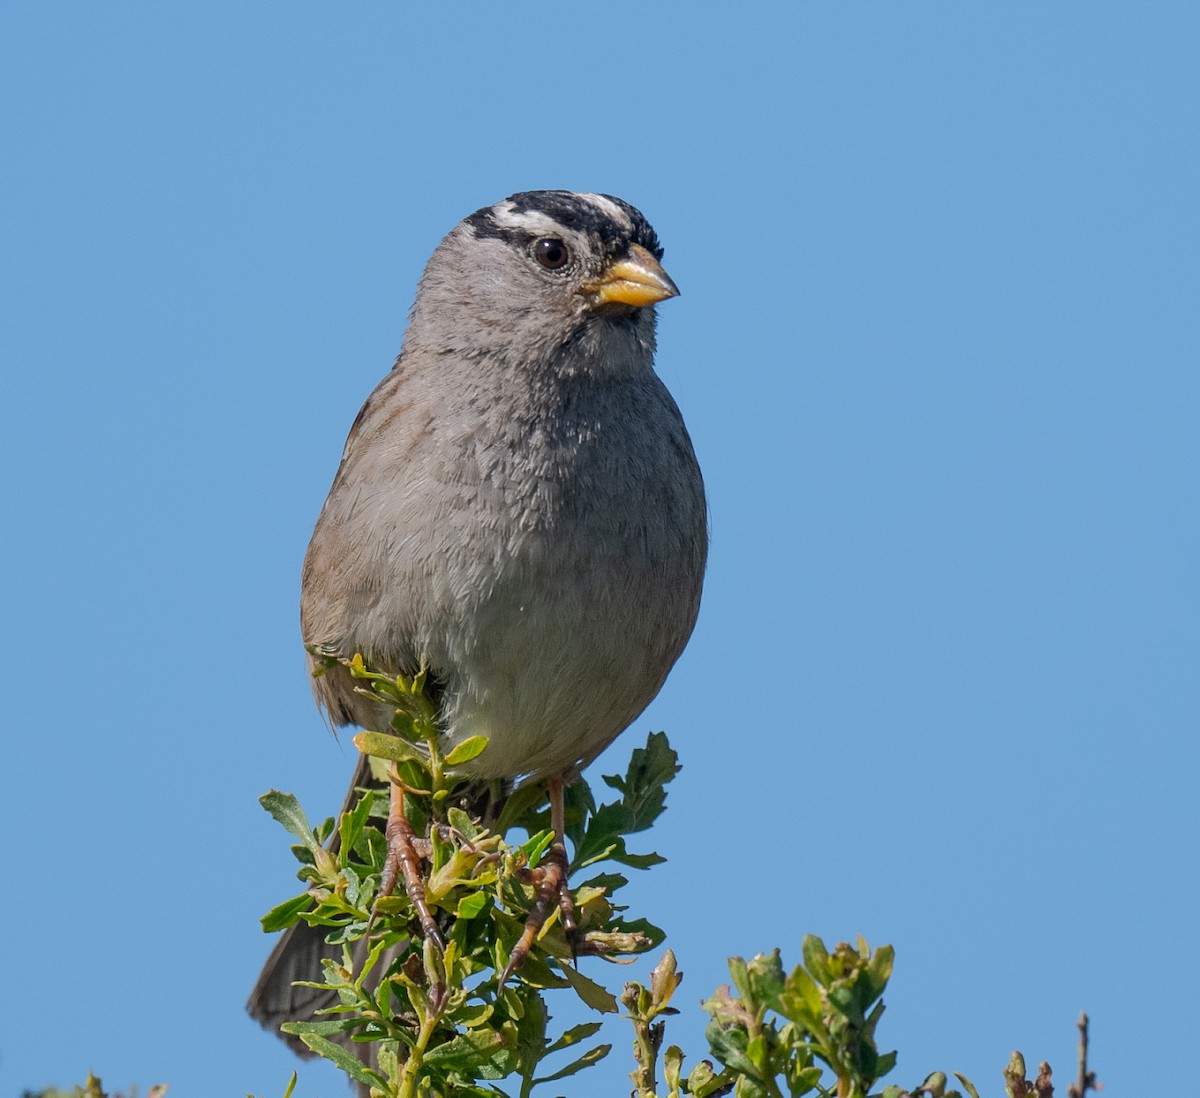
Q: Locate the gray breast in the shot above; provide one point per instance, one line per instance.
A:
(543, 557)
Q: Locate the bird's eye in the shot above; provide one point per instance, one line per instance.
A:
(551, 253)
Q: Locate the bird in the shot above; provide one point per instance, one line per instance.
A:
(518, 511)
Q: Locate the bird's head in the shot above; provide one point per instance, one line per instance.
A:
(541, 271)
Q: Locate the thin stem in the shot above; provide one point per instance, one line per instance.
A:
(1087, 1079)
(645, 1052)
(412, 1066)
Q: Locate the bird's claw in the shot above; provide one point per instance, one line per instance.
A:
(550, 879)
(404, 862)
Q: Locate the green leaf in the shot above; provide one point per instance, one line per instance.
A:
(348, 932)
(461, 1053)
(594, 852)
(610, 882)
(592, 1056)
(751, 1088)
(405, 726)
(536, 973)
(967, 1085)
(469, 749)
(613, 818)
(471, 905)
(595, 996)
(756, 1053)
(765, 976)
(816, 959)
(337, 1025)
(728, 1044)
(865, 1061)
(638, 861)
(579, 805)
(574, 1035)
(805, 1079)
(285, 914)
(286, 810)
(485, 1053)
(655, 934)
(845, 1002)
(665, 978)
(380, 745)
(650, 769)
(672, 1067)
(347, 1061)
(741, 977)
(472, 1017)
(702, 1081)
(462, 823)
(351, 825)
(878, 971)
(305, 855)
(323, 830)
(536, 846)
(800, 1002)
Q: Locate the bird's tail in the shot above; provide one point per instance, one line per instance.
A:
(297, 955)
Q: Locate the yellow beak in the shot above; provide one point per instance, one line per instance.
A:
(635, 279)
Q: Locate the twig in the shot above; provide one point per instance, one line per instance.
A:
(1087, 1079)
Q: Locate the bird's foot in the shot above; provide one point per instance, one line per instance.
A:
(404, 861)
(550, 880)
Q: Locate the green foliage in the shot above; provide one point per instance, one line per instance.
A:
(93, 1088)
(776, 1033)
(1017, 1086)
(412, 1017)
(439, 1021)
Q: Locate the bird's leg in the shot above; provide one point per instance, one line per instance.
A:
(403, 861)
(558, 852)
(551, 877)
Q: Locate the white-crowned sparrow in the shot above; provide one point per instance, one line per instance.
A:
(518, 507)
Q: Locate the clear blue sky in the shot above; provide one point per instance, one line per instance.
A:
(937, 347)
